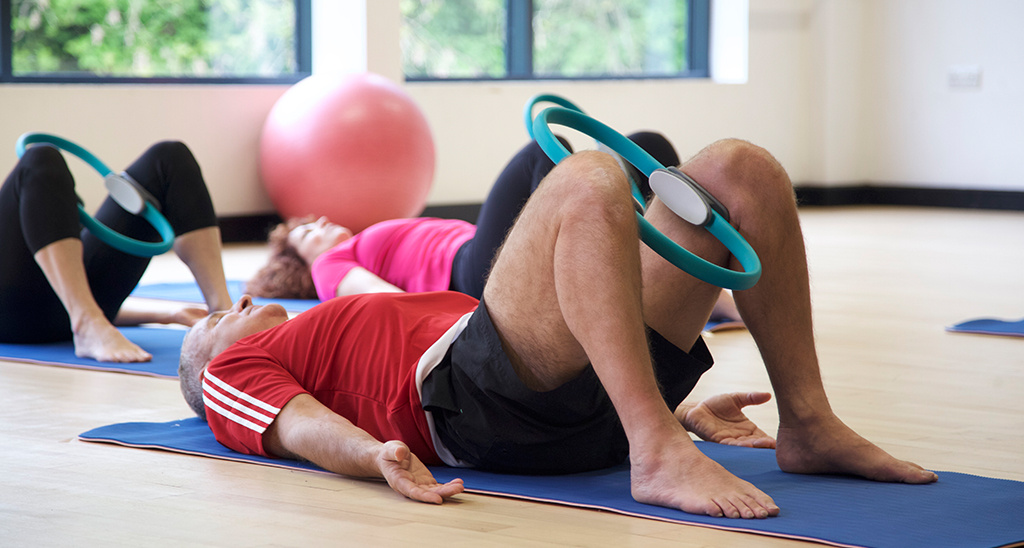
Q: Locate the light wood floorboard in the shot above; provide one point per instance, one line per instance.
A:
(885, 283)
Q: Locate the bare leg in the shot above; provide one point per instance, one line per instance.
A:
(777, 310)
(94, 335)
(565, 290)
(201, 251)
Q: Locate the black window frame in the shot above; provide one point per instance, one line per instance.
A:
(519, 49)
(303, 52)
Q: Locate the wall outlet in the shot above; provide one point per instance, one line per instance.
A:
(964, 76)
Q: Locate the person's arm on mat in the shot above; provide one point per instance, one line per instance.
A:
(360, 280)
(308, 430)
(187, 316)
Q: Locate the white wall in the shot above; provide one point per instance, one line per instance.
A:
(924, 132)
(841, 91)
(116, 122)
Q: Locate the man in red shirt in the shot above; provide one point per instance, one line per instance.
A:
(577, 357)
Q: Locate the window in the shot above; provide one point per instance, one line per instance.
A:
(538, 39)
(154, 40)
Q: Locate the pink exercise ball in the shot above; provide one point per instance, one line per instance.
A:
(355, 149)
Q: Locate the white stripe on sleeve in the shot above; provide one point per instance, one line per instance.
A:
(233, 417)
(239, 394)
(217, 396)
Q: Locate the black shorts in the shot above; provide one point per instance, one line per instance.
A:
(487, 417)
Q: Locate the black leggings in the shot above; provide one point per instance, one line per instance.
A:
(38, 206)
(512, 188)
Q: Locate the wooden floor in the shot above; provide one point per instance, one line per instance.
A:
(885, 282)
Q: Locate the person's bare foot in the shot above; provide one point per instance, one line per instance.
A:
(830, 447)
(102, 341)
(680, 476)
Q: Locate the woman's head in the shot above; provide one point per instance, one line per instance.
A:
(286, 274)
(311, 239)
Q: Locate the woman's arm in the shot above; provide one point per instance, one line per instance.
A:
(307, 429)
(360, 280)
(186, 316)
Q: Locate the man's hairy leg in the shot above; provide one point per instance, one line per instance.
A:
(777, 311)
(565, 290)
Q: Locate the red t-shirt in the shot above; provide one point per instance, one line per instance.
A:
(357, 355)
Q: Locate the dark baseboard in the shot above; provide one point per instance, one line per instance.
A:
(910, 196)
(254, 228)
(466, 212)
(247, 228)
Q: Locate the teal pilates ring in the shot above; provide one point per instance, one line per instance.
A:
(677, 190)
(565, 103)
(123, 189)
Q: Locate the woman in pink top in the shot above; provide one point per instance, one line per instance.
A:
(414, 255)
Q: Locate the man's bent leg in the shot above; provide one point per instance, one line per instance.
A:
(759, 195)
(565, 290)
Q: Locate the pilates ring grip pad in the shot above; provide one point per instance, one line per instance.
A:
(122, 189)
(684, 196)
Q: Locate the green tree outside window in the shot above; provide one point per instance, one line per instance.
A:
(154, 38)
(568, 38)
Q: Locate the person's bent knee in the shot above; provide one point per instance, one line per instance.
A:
(45, 169)
(737, 157)
(43, 156)
(592, 183)
(172, 151)
(734, 169)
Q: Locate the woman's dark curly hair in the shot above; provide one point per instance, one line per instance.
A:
(286, 275)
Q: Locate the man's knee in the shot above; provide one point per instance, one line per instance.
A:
(741, 173)
(591, 185)
(739, 156)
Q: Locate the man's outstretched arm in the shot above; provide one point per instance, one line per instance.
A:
(308, 430)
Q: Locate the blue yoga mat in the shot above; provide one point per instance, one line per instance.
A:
(163, 343)
(189, 292)
(960, 511)
(990, 326)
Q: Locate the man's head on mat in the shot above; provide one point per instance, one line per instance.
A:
(294, 245)
(211, 335)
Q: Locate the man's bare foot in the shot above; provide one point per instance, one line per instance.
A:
(720, 419)
(831, 447)
(680, 476)
(102, 341)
